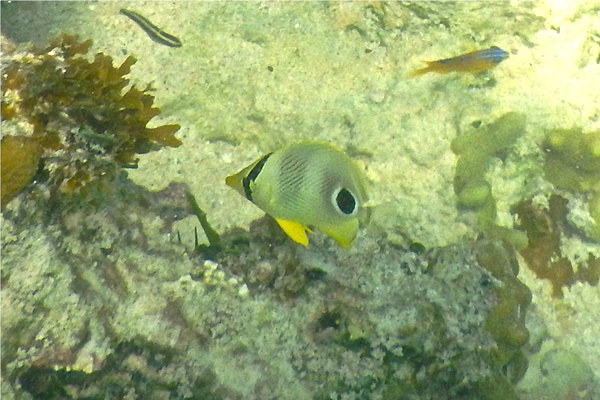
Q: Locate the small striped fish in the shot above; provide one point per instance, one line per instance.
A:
(153, 31)
(475, 61)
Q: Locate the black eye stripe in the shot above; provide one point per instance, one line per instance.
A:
(253, 174)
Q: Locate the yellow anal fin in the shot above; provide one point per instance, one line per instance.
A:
(344, 233)
(295, 230)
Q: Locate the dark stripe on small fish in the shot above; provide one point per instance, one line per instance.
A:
(155, 33)
(493, 54)
(252, 175)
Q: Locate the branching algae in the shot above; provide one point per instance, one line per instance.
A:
(73, 119)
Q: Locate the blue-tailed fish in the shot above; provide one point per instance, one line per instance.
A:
(475, 61)
(307, 184)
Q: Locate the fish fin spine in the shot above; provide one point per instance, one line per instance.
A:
(295, 230)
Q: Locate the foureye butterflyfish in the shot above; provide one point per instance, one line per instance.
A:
(307, 184)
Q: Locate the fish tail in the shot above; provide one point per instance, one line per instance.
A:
(421, 71)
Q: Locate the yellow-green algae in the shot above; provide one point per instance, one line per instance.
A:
(506, 322)
(573, 159)
(594, 208)
(573, 164)
(565, 376)
(476, 150)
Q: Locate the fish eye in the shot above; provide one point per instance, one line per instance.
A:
(345, 201)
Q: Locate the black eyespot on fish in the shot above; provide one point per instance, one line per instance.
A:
(252, 175)
(345, 201)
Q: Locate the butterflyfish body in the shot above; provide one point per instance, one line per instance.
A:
(307, 184)
(475, 61)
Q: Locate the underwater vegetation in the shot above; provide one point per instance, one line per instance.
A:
(565, 376)
(543, 254)
(136, 314)
(70, 121)
(475, 151)
(573, 164)
(20, 158)
(506, 321)
(573, 159)
(594, 208)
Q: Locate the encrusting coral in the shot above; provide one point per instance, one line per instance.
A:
(74, 119)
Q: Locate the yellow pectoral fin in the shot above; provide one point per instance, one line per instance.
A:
(295, 230)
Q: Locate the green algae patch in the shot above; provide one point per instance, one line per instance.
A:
(573, 159)
(475, 151)
(594, 208)
(573, 164)
(506, 321)
(493, 139)
(496, 252)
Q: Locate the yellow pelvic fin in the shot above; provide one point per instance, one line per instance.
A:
(295, 230)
